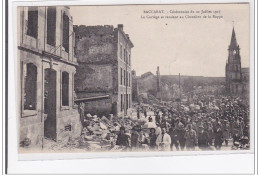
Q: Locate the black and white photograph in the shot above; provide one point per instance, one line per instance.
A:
(133, 78)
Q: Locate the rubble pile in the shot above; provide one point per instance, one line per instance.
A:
(99, 134)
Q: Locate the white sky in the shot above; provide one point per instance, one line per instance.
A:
(187, 46)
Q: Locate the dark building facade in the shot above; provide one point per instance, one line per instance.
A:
(236, 83)
(104, 56)
(46, 69)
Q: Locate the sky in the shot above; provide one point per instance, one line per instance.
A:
(189, 46)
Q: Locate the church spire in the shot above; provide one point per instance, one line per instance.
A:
(233, 42)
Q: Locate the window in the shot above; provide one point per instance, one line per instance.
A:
(124, 55)
(51, 26)
(121, 51)
(65, 89)
(121, 76)
(129, 79)
(129, 100)
(129, 57)
(122, 102)
(30, 87)
(32, 25)
(65, 42)
(124, 77)
(126, 101)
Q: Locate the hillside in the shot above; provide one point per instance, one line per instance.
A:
(170, 83)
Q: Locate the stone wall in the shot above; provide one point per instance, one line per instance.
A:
(99, 107)
(65, 119)
(95, 44)
(94, 78)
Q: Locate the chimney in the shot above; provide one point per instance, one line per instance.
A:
(127, 36)
(120, 26)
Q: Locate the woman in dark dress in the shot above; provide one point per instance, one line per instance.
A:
(152, 137)
(122, 138)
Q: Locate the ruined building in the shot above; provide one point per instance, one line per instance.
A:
(237, 78)
(47, 66)
(104, 56)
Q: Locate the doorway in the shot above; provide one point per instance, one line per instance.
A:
(50, 104)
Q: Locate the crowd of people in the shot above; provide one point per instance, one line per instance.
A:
(205, 127)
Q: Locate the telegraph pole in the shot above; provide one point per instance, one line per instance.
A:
(180, 90)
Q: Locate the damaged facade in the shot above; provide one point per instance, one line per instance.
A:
(104, 56)
(47, 67)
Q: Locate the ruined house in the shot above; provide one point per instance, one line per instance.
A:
(47, 66)
(103, 76)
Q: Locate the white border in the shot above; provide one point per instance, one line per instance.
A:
(15, 166)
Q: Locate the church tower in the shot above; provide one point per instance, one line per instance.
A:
(233, 67)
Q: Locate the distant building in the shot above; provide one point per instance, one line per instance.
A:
(104, 56)
(47, 66)
(237, 78)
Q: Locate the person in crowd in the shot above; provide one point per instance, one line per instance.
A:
(219, 139)
(158, 129)
(210, 133)
(145, 113)
(203, 138)
(191, 138)
(180, 130)
(122, 138)
(226, 131)
(138, 113)
(158, 118)
(134, 138)
(152, 138)
(150, 119)
(236, 128)
(242, 125)
(143, 138)
(174, 138)
(163, 122)
(163, 141)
